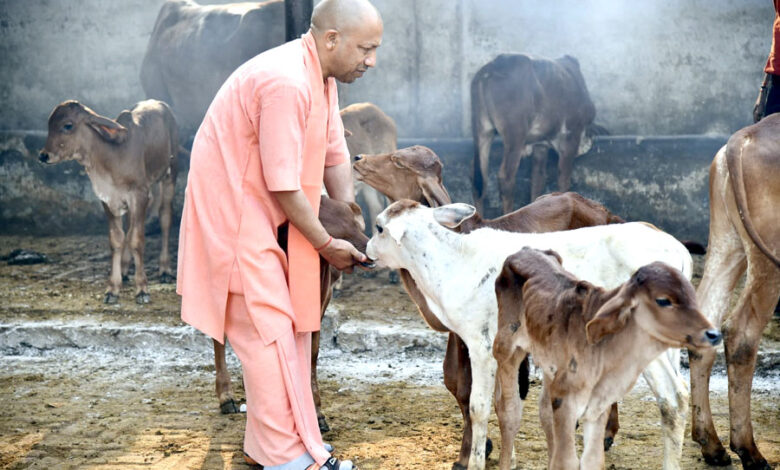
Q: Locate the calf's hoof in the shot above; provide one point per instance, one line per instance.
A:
(721, 458)
(608, 441)
(110, 298)
(488, 448)
(142, 298)
(167, 278)
(323, 423)
(394, 278)
(751, 460)
(229, 407)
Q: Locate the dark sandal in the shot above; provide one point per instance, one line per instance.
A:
(335, 464)
(251, 462)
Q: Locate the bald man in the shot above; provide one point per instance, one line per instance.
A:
(270, 139)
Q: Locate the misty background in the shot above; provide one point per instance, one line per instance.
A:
(655, 67)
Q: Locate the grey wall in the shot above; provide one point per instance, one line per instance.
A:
(653, 67)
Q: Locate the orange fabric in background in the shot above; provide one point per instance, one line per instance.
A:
(272, 126)
(773, 62)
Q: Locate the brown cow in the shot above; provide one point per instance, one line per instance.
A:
(368, 131)
(194, 48)
(528, 101)
(341, 220)
(591, 344)
(415, 173)
(124, 159)
(744, 236)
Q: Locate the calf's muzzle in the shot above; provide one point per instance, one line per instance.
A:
(43, 156)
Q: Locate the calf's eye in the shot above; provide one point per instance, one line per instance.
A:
(663, 302)
(378, 228)
(67, 126)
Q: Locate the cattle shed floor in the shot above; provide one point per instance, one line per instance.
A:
(89, 386)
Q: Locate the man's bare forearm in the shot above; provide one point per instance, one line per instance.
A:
(338, 182)
(300, 213)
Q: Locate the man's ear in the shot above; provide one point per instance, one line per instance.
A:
(453, 215)
(612, 316)
(331, 39)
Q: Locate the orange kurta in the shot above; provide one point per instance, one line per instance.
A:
(273, 126)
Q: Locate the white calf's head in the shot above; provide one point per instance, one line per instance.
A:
(406, 227)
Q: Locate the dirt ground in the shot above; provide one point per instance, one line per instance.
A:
(147, 407)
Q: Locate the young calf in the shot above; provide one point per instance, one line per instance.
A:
(123, 158)
(454, 275)
(590, 343)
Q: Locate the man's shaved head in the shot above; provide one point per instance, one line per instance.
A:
(343, 15)
(347, 33)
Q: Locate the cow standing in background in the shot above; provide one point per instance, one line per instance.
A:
(744, 236)
(194, 48)
(369, 131)
(534, 104)
(124, 159)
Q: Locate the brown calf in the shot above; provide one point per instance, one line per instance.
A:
(124, 159)
(341, 220)
(368, 131)
(744, 236)
(591, 344)
(415, 173)
(534, 104)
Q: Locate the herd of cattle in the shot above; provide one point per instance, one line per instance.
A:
(595, 300)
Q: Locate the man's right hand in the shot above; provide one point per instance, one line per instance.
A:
(342, 255)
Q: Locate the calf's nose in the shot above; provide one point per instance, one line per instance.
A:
(713, 336)
(43, 156)
(357, 157)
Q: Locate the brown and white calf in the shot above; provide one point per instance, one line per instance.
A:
(368, 130)
(124, 158)
(454, 274)
(415, 173)
(341, 220)
(744, 237)
(590, 344)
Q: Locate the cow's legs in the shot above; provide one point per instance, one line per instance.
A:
(227, 404)
(482, 142)
(507, 173)
(742, 333)
(116, 238)
(509, 405)
(322, 422)
(564, 421)
(593, 441)
(135, 233)
(546, 419)
(483, 368)
(612, 427)
(725, 264)
(539, 171)
(457, 379)
(567, 152)
(166, 207)
(671, 392)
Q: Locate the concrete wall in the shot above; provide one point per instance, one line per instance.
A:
(662, 180)
(653, 67)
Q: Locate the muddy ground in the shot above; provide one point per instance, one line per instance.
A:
(79, 400)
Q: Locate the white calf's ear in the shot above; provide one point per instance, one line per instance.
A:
(453, 215)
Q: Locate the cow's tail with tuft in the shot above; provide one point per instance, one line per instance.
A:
(734, 155)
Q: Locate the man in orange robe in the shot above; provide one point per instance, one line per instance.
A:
(270, 139)
(768, 101)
